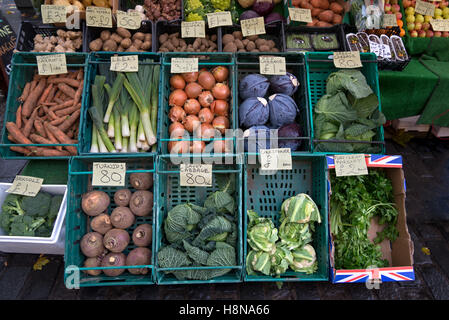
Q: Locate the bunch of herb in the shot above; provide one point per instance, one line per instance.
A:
(354, 202)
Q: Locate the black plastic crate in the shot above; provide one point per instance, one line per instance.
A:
(274, 31)
(28, 30)
(169, 27)
(93, 33)
(338, 30)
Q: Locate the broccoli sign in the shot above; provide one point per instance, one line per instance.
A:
(26, 186)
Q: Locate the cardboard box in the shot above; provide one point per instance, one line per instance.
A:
(440, 132)
(409, 124)
(400, 252)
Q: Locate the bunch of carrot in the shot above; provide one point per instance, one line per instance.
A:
(49, 113)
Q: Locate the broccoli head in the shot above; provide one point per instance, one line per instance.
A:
(55, 204)
(12, 204)
(25, 226)
(38, 205)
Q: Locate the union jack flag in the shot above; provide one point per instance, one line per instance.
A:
(384, 274)
(374, 160)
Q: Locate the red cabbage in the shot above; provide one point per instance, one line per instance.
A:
(249, 14)
(290, 130)
(273, 17)
(263, 7)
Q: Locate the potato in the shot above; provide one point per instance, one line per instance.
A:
(137, 43)
(252, 38)
(316, 12)
(305, 4)
(175, 41)
(238, 35)
(109, 45)
(241, 50)
(271, 44)
(275, 50)
(163, 37)
(255, 50)
(245, 42)
(105, 35)
(230, 47)
(250, 46)
(213, 37)
(326, 16)
(264, 48)
(146, 45)
(337, 19)
(120, 49)
(132, 49)
(227, 38)
(138, 35)
(322, 4)
(122, 32)
(147, 37)
(116, 38)
(323, 24)
(126, 43)
(260, 42)
(336, 8)
(239, 44)
(96, 45)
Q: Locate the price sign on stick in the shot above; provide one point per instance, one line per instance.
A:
(272, 65)
(440, 25)
(108, 174)
(53, 14)
(182, 65)
(252, 27)
(51, 64)
(347, 59)
(219, 19)
(129, 20)
(425, 8)
(198, 175)
(301, 15)
(390, 20)
(275, 159)
(125, 63)
(350, 165)
(193, 29)
(26, 186)
(98, 17)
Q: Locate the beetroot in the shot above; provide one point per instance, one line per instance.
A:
(92, 244)
(138, 257)
(142, 235)
(116, 240)
(113, 260)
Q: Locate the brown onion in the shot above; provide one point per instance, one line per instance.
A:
(176, 114)
(205, 99)
(221, 123)
(191, 122)
(221, 91)
(206, 80)
(205, 115)
(206, 131)
(177, 98)
(178, 146)
(176, 129)
(193, 90)
(192, 106)
(220, 108)
(220, 73)
(177, 82)
(197, 147)
(222, 146)
(190, 76)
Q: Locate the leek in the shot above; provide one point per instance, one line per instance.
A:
(114, 95)
(134, 123)
(140, 133)
(103, 136)
(125, 142)
(94, 143)
(154, 100)
(96, 113)
(117, 130)
(101, 144)
(123, 106)
(111, 126)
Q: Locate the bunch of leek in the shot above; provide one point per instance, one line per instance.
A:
(125, 120)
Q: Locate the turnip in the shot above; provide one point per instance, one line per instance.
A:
(122, 217)
(138, 257)
(141, 203)
(101, 223)
(142, 235)
(121, 197)
(113, 260)
(92, 244)
(141, 180)
(95, 202)
(116, 240)
(93, 263)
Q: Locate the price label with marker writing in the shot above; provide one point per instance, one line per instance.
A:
(219, 19)
(26, 186)
(53, 14)
(129, 20)
(425, 8)
(275, 159)
(350, 165)
(98, 17)
(182, 65)
(272, 65)
(440, 25)
(108, 174)
(125, 63)
(347, 59)
(51, 64)
(301, 15)
(193, 29)
(252, 27)
(198, 175)
(390, 20)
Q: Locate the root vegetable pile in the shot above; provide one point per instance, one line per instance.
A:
(121, 41)
(199, 107)
(174, 43)
(157, 10)
(64, 41)
(110, 236)
(235, 42)
(49, 114)
(325, 13)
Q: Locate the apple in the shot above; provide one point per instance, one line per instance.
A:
(445, 34)
(422, 33)
(394, 1)
(438, 18)
(418, 26)
(444, 4)
(436, 4)
(419, 18)
(437, 34)
(438, 12)
(414, 33)
(429, 33)
(446, 16)
(395, 8)
(410, 26)
(398, 16)
(427, 18)
(426, 26)
(410, 19)
(445, 11)
(387, 7)
(410, 11)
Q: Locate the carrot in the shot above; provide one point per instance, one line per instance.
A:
(52, 138)
(40, 128)
(49, 104)
(39, 139)
(19, 117)
(47, 152)
(25, 92)
(73, 74)
(51, 95)
(58, 121)
(16, 134)
(80, 75)
(62, 138)
(45, 93)
(34, 83)
(50, 113)
(69, 81)
(68, 110)
(67, 90)
(60, 106)
(29, 125)
(70, 121)
(22, 150)
(58, 100)
(41, 113)
(58, 94)
(78, 93)
(34, 95)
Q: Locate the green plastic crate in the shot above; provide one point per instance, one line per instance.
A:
(319, 65)
(77, 222)
(104, 58)
(206, 60)
(171, 193)
(248, 63)
(265, 194)
(24, 66)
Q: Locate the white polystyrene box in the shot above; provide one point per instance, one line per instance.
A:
(55, 244)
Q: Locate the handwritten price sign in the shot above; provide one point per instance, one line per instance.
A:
(390, 20)
(347, 59)
(108, 174)
(219, 19)
(51, 64)
(252, 27)
(301, 15)
(275, 159)
(53, 14)
(272, 65)
(26, 186)
(198, 175)
(193, 29)
(182, 65)
(125, 63)
(350, 165)
(425, 8)
(98, 17)
(440, 25)
(129, 20)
